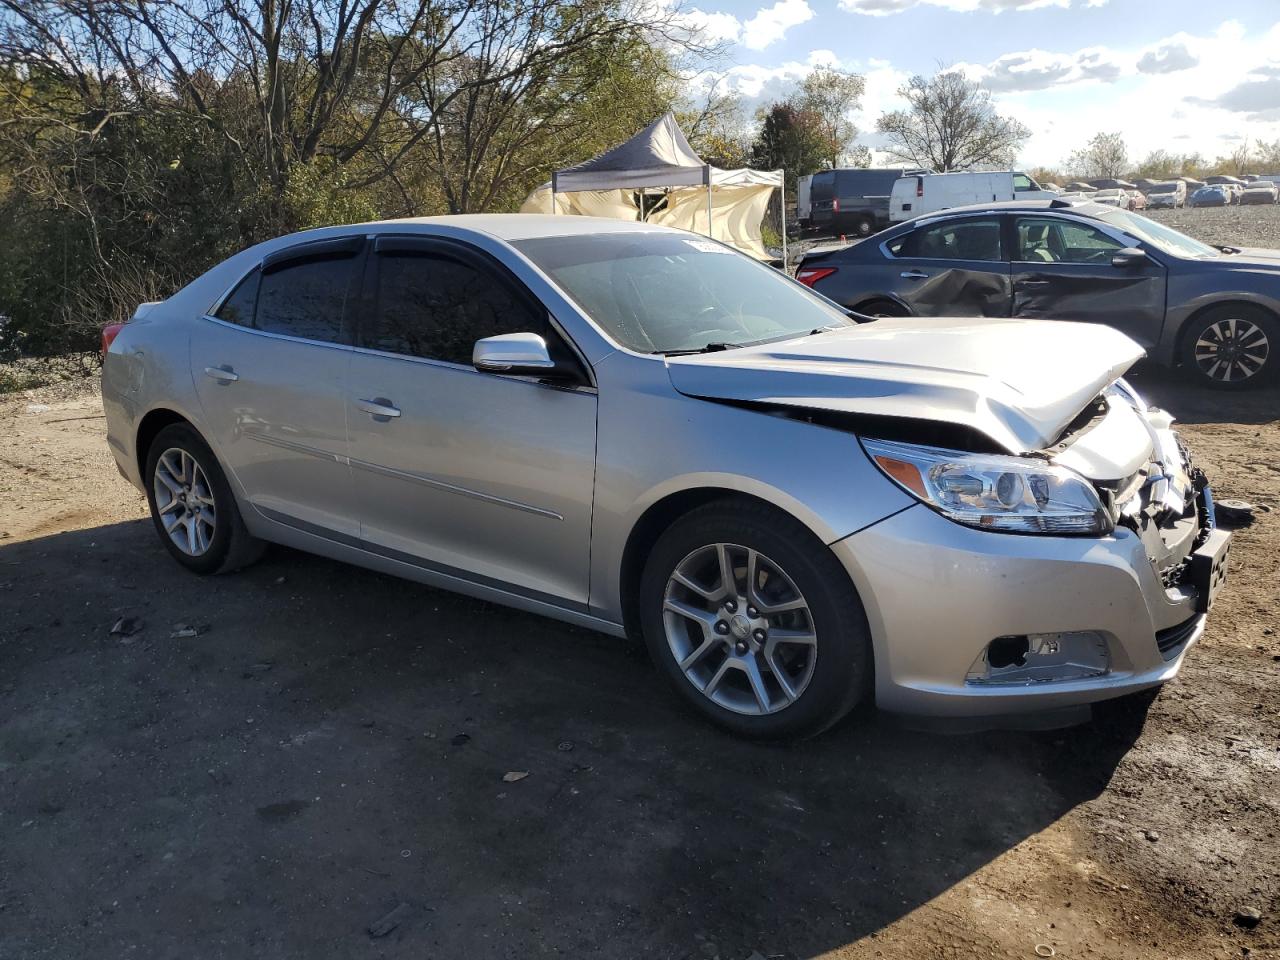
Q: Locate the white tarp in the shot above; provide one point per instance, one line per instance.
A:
(660, 162)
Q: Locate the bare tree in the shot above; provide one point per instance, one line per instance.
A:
(1105, 157)
(950, 123)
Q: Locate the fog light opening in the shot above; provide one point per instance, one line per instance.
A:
(1008, 652)
(1042, 658)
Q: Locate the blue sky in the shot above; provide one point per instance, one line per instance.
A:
(1174, 74)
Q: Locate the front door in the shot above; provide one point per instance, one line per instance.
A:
(479, 475)
(1062, 270)
(953, 268)
(270, 369)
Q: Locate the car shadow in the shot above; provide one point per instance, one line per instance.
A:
(333, 742)
(1190, 403)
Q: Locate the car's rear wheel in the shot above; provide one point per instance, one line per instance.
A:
(754, 622)
(882, 308)
(1232, 347)
(192, 506)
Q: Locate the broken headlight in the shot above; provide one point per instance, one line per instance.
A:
(991, 492)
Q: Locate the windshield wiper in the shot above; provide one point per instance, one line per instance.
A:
(714, 347)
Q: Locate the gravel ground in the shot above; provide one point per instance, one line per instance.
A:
(268, 764)
(1251, 226)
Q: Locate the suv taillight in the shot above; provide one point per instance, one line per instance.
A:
(811, 275)
(109, 334)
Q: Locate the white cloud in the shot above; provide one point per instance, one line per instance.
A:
(1038, 69)
(770, 23)
(1168, 56)
(885, 8)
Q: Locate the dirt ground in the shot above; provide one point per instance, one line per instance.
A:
(332, 744)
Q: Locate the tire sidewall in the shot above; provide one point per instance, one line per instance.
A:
(1266, 376)
(183, 437)
(842, 670)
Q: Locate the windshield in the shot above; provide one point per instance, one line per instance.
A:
(664, 292)
(1164, 188)
(1158, 235)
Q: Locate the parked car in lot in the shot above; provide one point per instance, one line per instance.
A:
(1216, 196)
(639, 430)
(1111, 197)
(1169, 194)
(921, 193)
(1137, 200)
(1260, 191)
(1214, 312)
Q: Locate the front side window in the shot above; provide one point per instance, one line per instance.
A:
(1022, 182)
(977, 239)
(306, 298)
(1049, 240)
(436, 307)
(665, 292)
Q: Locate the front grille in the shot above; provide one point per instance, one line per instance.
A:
(1172, 639)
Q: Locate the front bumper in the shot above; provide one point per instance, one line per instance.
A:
(937, 593)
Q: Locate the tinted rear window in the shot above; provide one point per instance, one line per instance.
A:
(867, 183)
(306, 299)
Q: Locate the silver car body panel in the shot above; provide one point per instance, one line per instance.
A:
(527, 495)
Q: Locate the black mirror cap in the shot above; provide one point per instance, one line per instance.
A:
(1128, 257)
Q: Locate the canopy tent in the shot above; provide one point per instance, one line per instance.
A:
(728, 205)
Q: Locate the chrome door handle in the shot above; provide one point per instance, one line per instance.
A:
(914, 275)
(221, 374)
(380, 408)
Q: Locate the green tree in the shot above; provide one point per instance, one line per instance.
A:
(827, 97)
(789, 139)
(1105, 156)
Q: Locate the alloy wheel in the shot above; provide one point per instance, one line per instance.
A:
(184, 501)
(1232, 350)
(740, 629)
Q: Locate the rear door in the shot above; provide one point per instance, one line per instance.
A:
(822, 200)
(1062, 271)
(480, 475)
(270, 369)
(953, 268)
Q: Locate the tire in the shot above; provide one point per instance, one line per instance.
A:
(1256, 331)
(213, 545)
(864, 227)
(823, 681)
(882, 308)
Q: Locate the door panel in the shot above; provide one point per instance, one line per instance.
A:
(478, 474)
(280, 426)
(487, 475)
(955, 268)
(1063, 271)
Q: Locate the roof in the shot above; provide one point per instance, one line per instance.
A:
(527, 226)
(1081, 207)
(657, 156)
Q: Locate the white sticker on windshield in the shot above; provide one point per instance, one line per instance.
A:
(707, 246)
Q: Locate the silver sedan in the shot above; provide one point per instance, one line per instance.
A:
(640, 431)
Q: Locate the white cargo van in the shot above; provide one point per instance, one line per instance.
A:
(931, 192)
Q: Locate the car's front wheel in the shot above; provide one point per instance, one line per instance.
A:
(1233, 346)
(755, 622)
(192, 506)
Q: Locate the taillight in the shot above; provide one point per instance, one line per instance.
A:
(835, 205)
(109, 334)
(811, 275)
(919, 186)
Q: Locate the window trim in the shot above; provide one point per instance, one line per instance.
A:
(467, 254)
(1124, 239)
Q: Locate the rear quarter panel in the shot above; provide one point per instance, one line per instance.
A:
(1193, 287)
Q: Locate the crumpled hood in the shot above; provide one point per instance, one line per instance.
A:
(1252, 257)
(1020, 382)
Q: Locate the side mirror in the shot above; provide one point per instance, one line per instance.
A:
(1128, 257)
(518, 353)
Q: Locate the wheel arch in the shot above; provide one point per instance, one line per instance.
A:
(867, 302)
(149, 427)
(652, 523)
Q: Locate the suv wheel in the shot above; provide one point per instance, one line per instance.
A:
(755, 622)
(1232, 347)
(192, 506)
(865, 227)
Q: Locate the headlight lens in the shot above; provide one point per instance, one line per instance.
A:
(1008, 494)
